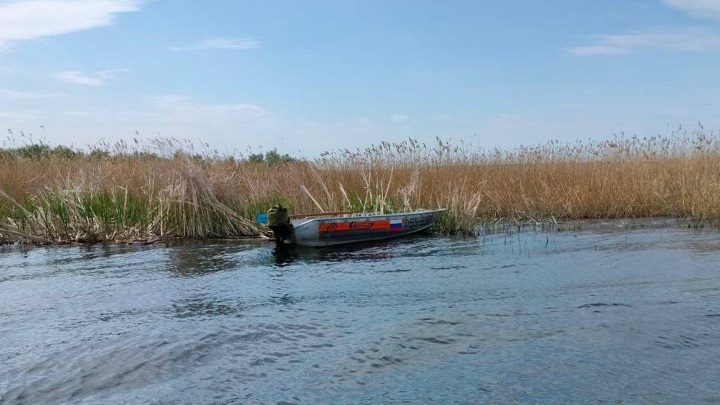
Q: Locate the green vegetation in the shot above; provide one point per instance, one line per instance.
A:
(271, 158)
(116, 192)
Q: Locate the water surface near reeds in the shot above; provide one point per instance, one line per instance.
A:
(598, 315)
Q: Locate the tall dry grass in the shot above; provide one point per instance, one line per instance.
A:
(121, 193)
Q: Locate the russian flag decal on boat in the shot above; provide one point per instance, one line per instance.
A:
(396, 224)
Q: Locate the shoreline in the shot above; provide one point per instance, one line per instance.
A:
(481, 228)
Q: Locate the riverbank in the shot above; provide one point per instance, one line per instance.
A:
(59, 195)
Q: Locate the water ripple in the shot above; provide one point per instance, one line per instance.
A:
(529, 317)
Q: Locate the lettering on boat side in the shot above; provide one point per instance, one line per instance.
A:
(419, 221)
(361, 225)
(354, 226)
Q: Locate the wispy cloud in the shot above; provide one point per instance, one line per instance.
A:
(399, 118)
(702, 8)
(21, 116)
(25, 20)
(94, 79)
(505, 119)
(181, 107)
(442, 117)
(691, 39)
(22, 95)
(220, 43)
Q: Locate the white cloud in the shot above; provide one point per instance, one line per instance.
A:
(21, 95)
(220, 43)
(95, 79)
(691, 39)
(399, 118)
(702, 8)
(25, 20)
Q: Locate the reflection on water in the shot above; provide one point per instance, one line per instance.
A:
(189, 258)
(367, 251)
(284, 254)
(514, 316)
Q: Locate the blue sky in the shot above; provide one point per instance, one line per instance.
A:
(306, 77)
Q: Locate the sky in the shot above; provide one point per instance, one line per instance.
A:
(305, 77)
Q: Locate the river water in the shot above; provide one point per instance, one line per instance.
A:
(601, 315)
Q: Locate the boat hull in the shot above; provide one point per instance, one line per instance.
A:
(330, 231)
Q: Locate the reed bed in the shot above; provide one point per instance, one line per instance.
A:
(142, 193)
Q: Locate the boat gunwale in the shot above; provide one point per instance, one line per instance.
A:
(365, 215)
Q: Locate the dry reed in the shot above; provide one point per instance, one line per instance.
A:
(120, 193)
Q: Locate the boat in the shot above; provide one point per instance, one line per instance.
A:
(337, 228)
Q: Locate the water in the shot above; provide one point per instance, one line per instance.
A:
(595, 316)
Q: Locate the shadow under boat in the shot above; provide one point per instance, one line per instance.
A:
(377, 250)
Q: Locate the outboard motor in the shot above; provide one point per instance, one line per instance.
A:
(279, 221)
